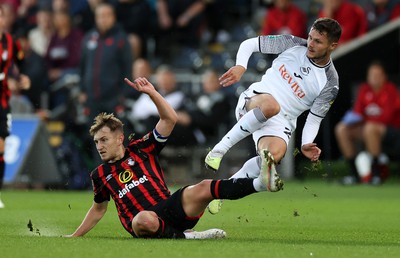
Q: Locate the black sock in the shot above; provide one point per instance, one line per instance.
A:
(232, 189)
(353, 168)
(2, 168)
(167, 231)
(375, 167)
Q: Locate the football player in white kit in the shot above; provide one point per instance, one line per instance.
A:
(301, 78)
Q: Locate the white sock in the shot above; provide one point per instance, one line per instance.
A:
(249, 123)
(250, 169)
(258, 184)
(189, 234)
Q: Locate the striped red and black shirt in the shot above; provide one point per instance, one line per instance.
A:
(10, 52)
(136, 182)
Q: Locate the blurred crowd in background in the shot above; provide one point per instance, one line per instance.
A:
(77, 53)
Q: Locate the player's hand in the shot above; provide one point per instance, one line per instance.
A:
(232, 76)
(141, 84)
(311, 151)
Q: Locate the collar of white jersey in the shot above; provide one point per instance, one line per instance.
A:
(320, 66)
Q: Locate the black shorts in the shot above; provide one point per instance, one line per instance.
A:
(171, 211)
(5, 123)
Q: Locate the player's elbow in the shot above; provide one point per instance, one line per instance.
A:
(100, 208)
(171, 120)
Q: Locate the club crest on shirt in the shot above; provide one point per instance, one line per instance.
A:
(305, 70)
(130, 161)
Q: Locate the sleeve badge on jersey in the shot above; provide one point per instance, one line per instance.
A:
(131, 137)
(146, 137)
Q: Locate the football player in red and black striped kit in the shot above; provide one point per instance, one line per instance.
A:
(134, 179)
(10, 53)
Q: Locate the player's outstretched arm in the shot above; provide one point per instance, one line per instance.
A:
(232, 76)
(168, 116)
(93, 216)
(246, 49)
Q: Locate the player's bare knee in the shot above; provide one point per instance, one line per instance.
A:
(269, 106)
(277, 154)
(266, 103)
(269, 109)
(275, 146)
(144, 223)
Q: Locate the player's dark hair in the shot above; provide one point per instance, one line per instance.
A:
(329, 26)
(104, 119)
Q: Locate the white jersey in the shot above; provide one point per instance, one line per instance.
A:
(294, 80)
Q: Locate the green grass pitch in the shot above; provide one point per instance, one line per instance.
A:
(307, 219)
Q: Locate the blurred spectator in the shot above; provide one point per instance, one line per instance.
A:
(12, 3)
(106, 58)
(374, 120)
(85, 18)
(216, 17)
(380, 12)
(207, 110)
(60, 5)
(34, 67)
(350, 16)
(144, 113)
(8, 17)
(26, 14)
(141, 68)
(63, 55)
(285, 18)
(180, 22)
(39, 37)
(131, 14)
(19, 103)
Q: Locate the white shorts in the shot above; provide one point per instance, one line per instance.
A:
(278, 125)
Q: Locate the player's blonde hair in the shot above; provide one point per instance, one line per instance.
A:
(104, 119)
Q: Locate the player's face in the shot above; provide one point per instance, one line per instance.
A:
(319, 48)
(109, 144)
